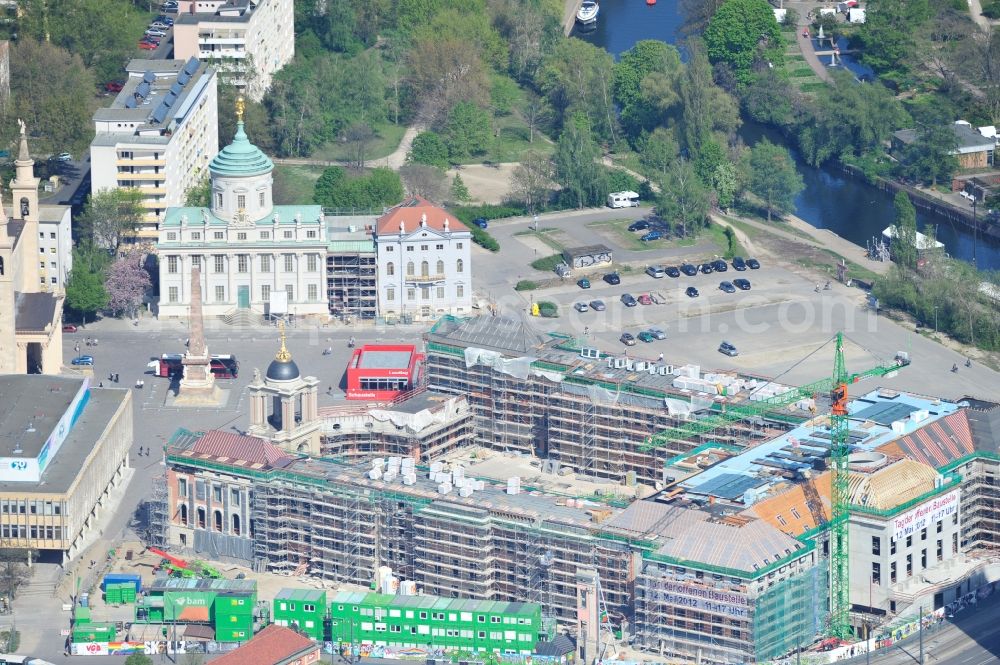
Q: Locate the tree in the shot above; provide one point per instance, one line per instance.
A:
(771, 99)
(358, 137)
(444, 72)
(111, 216)
(697, 14)
(576, 78)
(428, 148)
(744, 33)
(14, 570)
(647, 58)
(199, 195)
(577, 167)
(931, 157)
(85, 293)
(531, 181)
(138, 659)
(51, 91)
(708, 109)
(459, 191)
(658, 152)
(467, 131)
(683, 199)
(773, 177)
(889, 34)
(126, 284)
(904, 245)
(424, 181)
(529, 28)
(379, 188)
(727, 184)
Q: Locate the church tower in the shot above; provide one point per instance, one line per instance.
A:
(8, 343)
(24, 190)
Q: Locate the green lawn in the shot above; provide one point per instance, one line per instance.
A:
(630, 240)
(547, 263)
(802, 72)
(295, 184)
(812, 86)
(511, 143)
(387, 138)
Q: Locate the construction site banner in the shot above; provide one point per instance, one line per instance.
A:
(188, 606)
(925, 514)
(150, 648)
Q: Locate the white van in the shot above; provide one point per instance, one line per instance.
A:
(623, 200)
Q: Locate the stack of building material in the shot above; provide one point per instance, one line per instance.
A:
(514, 485)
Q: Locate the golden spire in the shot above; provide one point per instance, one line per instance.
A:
(241, 106)
(283, 355)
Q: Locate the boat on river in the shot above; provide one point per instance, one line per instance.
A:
(587, 13)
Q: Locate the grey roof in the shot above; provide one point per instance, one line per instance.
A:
(984, 423)
(90, 425)
(32, 402)
(587, 250)
(498, 333)
(378, 359)
(35, 311)
(969, 140)
(559, 646)
(280, 370)
(885, 413)
(165, 73)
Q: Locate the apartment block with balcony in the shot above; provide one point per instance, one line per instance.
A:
(55, 247)
(424, 267)
(158, 136)
(247, 40)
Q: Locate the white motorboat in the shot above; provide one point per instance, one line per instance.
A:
(588, 12)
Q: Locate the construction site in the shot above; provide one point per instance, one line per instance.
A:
(721, 517)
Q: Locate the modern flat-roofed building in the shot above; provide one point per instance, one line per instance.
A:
(158, 136)
(381, 372)
(55, 247)
(65, 446)
(247, 40)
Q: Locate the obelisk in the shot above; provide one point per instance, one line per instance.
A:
(198, 384)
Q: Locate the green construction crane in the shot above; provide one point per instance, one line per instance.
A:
(732, 413)
(840, 581)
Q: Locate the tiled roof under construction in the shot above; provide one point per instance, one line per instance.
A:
(500, 333)
(790, 511)
(237, 447)
(433, 602)
(936, 444)
(891, 485)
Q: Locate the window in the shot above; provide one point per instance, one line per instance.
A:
(940, 526)
(940, 549)
(954, 518)
(411, 294)
(390, 294)
(409, 269)
(265, 263)
(423, 248)
(183, 515)
(876, 573)
(954, 543)
(390, 248)
(438, 247)
(795, 514)
(923, 558)
(425, 293)
(290, 292)
(923, 534)
(170, 236)
(196, 235)
(909, 565)
(423, 615)
(909, 541)
(289, 262)
(876, 545)
(288, 235)
(242, 263)
(409, 248)
(481, 634)
(313, 292)
(201, 518)
(781, 520)
(494, 619)
(390, 268)
(171, 264)
(310, 234)
(235, 524)
(241, 201)
(182, 487)
(440, 293)
(312, 263)
(459, 265)
(261, 199)
(241, 236)
(220, 294)
(265, 292)
(892, 546)
(440, 267)
(219, 235)
(217, 494)
(892, 573)
(218, 200)
(265, 235)
(459, 291)
(219, 262)
(425, 269)
(466, 617)
(172, 295)
(458, 245)
(196, 262)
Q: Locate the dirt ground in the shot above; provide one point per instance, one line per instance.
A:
(486, 184)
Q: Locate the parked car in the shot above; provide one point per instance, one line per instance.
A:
(727, 287)
(629, 300)
(583, 283)
(70, 328)
(728, 349)
(640, 225)
(657, 333)
(170, 10)
(691, 292)
(155, 32)
(753, 264)
(645, 299)
(706, 268)
(612, 278)
(689, 270)
(82, 360)
(163, 18)
(646, 336)
(113, 86)
(652, 235)
(598, 305)
(672, 271)
(720, 266)
(156, 25)
(742, 284)
(581, 307)
(627, 339)
(739, 263)
(64, 157)
(480, 222)
(148, 46)
(656, 272)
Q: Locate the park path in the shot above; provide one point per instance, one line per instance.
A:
(806, 46)
(393, 160)
(976, 9)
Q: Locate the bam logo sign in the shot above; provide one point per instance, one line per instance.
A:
(181, 601)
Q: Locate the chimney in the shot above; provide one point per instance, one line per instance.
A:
(445, 223)
(402, 226)
(423, 220)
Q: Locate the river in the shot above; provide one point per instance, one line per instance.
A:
(831, 200)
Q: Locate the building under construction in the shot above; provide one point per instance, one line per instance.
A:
(350, 267)
(547, 396)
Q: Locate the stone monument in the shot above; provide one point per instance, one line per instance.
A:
(197, 387)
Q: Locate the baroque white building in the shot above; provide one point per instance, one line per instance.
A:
(247, 40)
(158, 136)
(254, 256)
(423, 263)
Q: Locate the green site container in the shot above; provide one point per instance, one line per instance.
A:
(301, 608)
(95, 632)
(113, 595)
(82, 616)
(233, 635)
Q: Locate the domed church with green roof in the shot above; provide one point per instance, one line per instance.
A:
(252, 255)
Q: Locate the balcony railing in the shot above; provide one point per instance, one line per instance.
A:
(423, 279)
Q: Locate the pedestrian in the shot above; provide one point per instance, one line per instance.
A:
(661, 358)
(100, 385)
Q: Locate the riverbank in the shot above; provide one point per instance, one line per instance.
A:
(570, 8)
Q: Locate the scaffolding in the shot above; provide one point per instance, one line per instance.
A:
(351, 285)
(155, 515)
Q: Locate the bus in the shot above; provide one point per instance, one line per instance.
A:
(171, 365)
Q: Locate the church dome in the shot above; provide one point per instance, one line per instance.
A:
(283, 368)
(241, 158)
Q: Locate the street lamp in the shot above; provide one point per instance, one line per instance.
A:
(974, 224)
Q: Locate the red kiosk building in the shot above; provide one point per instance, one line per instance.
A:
(380, 373)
